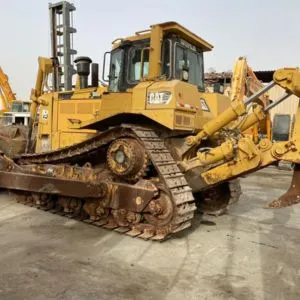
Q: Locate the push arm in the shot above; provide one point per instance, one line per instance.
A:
(243, 155)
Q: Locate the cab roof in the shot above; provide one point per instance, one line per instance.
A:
(168, 27)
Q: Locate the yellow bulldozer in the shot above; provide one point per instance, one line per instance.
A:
(140, 155)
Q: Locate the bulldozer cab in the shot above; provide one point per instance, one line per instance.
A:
(167, 51)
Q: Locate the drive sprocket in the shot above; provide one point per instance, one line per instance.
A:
(127, 158)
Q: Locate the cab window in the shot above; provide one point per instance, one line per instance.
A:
(138, 56)
(193, 62)
(166, 58)
(16, 107)
(115, 70)
(180, 61)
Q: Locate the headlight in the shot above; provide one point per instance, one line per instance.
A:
(159, 97)
(185, 75)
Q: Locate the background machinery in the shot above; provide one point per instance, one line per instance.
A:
(59, 70)
(7, 96)
(14, 118)
(244, 83)
(139, 155)
(13, 111)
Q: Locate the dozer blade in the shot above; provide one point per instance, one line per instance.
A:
(292, 195)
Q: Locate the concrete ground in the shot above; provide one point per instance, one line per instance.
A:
(252, 253)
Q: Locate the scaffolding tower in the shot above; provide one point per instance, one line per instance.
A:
(62, 31)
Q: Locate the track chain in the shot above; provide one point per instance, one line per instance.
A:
(76, 151)
(174, 179)
(161, 159)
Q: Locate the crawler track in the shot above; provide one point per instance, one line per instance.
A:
(164, 172)
(168, 174)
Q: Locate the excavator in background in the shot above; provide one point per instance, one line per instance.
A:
(142, 154)
(14, 118)
(7, 96)
(14, 112)
(19, 123)
(244, 83)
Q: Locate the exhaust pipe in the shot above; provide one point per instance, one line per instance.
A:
(83, 70)
(95, 75)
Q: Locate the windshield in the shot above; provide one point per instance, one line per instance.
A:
(16, 107)
(115, 70)
(193, 62)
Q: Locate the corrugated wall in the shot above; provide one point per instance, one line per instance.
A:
(288, 106)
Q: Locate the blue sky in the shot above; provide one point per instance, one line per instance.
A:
(265, 31)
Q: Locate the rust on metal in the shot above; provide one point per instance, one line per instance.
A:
(124, 196)
(146, 196)
(51, 185)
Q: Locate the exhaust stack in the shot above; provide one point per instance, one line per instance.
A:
(95, 75)
(83, 70)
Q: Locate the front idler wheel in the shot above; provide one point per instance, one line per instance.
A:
(160, 210)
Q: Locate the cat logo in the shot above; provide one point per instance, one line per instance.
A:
(204, 105)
